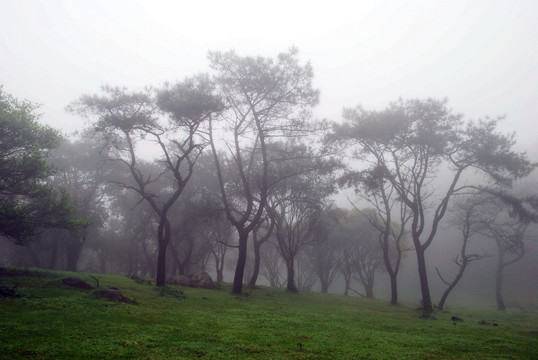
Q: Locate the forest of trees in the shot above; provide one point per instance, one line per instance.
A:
(230, 173)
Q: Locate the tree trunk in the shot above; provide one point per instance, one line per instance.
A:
(369, 291)
(290, 286)
(347, 280)
(163, 236)
(324, 287)
(423, 277)
(393, 289)
(393, 273)
(256, 270)
(241, 262)
(453, 284)
(72, 253)
(499, 281)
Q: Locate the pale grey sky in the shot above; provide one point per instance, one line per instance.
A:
(482, 55)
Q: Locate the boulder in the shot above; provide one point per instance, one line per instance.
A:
(113, 295)
(201, 279)
(180, 280)
(76, 283)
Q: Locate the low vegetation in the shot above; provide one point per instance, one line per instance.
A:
(42, 318)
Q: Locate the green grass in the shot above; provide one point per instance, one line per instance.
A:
(52, 321)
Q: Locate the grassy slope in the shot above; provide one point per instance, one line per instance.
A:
(51, 321)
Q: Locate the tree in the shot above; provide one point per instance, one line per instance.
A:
(508, 232)
(272, 265)
(27, 202)
(469, 217)
(362, 247)
(326, 251)
(126, 118)
(265, 99)
(382, 196)
(81, 171)
(296, 206)
(411, 142)
(265, 229)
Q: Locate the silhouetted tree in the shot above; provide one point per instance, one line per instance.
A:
(126, 118)
(410, 142)
(265, 99)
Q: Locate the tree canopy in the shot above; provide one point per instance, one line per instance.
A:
(27, 203)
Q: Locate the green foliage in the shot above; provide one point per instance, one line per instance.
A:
(27, 203)
(53, 322)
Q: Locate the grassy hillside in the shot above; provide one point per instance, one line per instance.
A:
(50, 320)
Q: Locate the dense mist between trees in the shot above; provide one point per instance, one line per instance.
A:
(230, 173)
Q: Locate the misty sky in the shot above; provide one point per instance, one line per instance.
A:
(482, 55)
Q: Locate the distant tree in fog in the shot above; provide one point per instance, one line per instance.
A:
(81, 171)
(272, 266)
(508, 232)
(265, 99)
(468, 216)
(372, 186)
(325, 252)
(125, 118)
(362, 247)
(409, 142)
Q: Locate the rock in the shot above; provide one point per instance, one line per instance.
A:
(113, 295)
(77, 283)
(180, 280)
(201, 279)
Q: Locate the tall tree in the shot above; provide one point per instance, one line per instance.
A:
(265, 99)
(411, 142)
(27, 202)
(127, 118)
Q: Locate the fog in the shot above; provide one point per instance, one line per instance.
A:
(480, 55)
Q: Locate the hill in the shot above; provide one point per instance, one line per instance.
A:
(42, 318)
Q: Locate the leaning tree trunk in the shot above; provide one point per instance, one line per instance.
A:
(256, 270)
(423, 277)
(241, 262)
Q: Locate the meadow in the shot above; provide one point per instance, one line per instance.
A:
(41, 318)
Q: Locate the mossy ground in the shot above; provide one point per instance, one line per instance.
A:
(52, 321)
